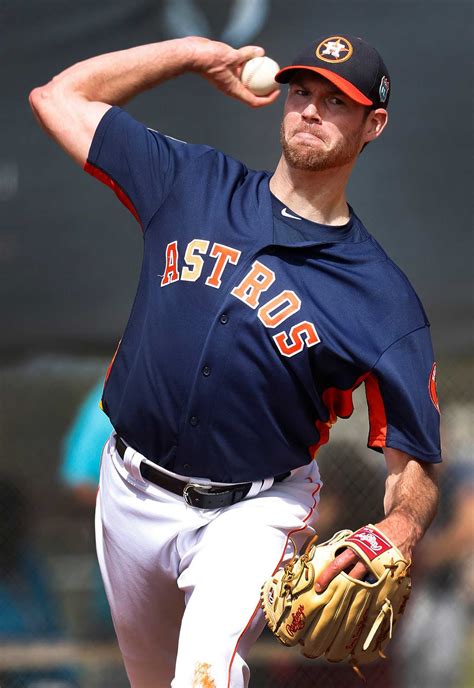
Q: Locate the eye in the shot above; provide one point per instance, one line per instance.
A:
(334, 100)
(301, 91)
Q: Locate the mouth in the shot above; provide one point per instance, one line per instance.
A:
(307, 136)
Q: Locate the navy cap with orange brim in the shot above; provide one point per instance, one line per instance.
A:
(350, 63)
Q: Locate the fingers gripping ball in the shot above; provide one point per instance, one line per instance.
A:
(258, 75)
(351, 619)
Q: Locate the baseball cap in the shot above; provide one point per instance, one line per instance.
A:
(350, 63)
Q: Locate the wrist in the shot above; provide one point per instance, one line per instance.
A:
(402, 531)
(197, 49)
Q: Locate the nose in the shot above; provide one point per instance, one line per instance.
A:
(311, 113)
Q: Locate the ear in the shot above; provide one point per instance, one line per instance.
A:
(375, 124)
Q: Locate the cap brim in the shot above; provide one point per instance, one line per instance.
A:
(285, 74)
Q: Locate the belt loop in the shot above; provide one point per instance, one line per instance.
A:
(267, 483)
(255, 489)
(132, 460)
(259, 486)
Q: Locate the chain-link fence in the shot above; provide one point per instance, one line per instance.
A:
(55, 629)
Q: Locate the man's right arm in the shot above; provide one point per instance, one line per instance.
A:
(72, 104)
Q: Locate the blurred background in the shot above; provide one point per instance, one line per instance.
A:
(69, 261)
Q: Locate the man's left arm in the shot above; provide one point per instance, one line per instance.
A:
(410, 504)
(411, 499)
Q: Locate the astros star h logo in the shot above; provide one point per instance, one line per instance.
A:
(334, 49)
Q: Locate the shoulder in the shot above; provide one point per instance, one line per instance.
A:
(375, 297)
(389, 286)
(122, 134)
(394, 280)
(119, 129)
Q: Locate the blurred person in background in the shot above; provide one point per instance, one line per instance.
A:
(82, 448)
(79, 472)
(28, 609)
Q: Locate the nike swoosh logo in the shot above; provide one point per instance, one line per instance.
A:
(285, 213)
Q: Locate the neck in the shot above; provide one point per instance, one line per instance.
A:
(319, 196)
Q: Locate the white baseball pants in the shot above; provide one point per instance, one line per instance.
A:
(183, 583)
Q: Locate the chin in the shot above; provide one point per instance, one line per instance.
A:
(302, 155)
(306, 157)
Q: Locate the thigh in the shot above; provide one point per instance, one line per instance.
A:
(222, 576)
(135, 537)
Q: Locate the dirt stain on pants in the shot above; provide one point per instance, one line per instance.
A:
(202, 676)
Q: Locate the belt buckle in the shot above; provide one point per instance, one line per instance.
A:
(200, 488)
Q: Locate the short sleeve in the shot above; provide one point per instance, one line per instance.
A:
(138, 163)
(402, 401)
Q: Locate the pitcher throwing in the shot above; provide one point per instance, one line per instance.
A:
(263, 303)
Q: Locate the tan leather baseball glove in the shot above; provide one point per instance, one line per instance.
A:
(351, 619)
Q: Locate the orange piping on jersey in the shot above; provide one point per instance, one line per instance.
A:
(120, 193)
(111, 363)
(339, 404)
(377, 415)
(308, 515)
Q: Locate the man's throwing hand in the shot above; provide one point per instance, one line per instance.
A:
(222, 66)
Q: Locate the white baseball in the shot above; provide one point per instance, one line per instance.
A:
(258, 75)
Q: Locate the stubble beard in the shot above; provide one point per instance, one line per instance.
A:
(306, 157)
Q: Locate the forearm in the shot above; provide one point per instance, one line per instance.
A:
(115, 78)
(411, 501)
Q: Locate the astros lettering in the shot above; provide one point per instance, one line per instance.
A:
(250, 289)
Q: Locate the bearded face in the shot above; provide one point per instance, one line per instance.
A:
(306, 148)
(322, 128)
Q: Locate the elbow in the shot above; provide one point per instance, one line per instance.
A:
(48, 98)
(40, 98)
(50, 105)
(35, 98)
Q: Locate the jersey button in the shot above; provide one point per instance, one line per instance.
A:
(224, 318)
(194, 420)
(187, 467)
(206, 371)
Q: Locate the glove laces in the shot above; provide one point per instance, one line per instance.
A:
(288, 576)
(386, 609)
(291, 578)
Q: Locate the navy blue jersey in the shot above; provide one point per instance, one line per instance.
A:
(245, 342)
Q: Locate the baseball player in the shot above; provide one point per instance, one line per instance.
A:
(263, 302)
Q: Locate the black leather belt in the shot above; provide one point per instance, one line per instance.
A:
(199, 495)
